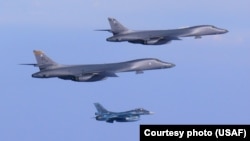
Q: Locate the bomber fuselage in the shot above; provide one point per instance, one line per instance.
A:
(134, 65)
(168, 35)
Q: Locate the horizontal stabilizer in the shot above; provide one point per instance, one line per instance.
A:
(109, 30)
(35, 65)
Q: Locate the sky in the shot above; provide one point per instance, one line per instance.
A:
(210, 83)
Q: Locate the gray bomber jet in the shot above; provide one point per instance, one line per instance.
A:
(133, 115)
(157, 37)
(93, 72)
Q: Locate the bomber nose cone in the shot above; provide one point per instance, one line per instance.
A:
(223, 31)
(170, 65)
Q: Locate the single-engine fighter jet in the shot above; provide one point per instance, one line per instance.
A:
(92, 72)
(133, 115)
(157, 37)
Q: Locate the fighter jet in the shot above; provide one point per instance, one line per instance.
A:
(157, 37)
(92, 72)
(128, 116)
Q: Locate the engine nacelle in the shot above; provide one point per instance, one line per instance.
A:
(156, 41)
(89, 78)
(145, 42)
(152, 41)
(84, 78)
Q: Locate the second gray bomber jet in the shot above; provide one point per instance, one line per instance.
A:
(128, 116)
(93, 72)
(157, 37)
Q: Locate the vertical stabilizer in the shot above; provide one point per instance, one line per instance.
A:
(116, 27)
(43, 61)
(100, 108)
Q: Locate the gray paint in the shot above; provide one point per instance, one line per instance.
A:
(128, 116)
(158, 37)
(92, 72)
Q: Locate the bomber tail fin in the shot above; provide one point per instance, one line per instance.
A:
(43, 61)
(100, 108)
(116, 27)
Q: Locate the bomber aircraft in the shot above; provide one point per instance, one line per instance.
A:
(132, 115)
(92, 72)
(157, 37)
